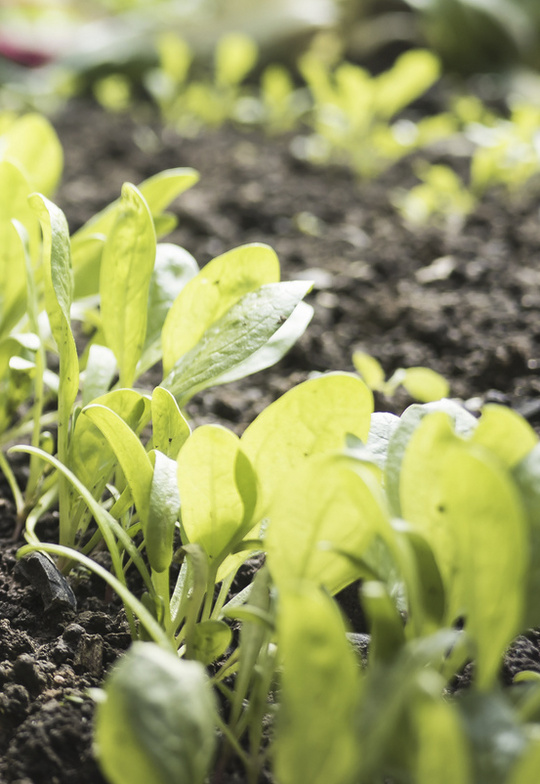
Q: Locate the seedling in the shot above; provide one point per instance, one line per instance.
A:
(421, 383)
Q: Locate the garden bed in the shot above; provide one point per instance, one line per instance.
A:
(379, 287)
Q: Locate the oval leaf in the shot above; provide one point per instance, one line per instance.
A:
(157, 723)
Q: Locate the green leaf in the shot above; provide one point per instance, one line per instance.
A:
(170, 428)
(443, 754)
(173, 268)
(14, 192)
(425, 384)
(210, 640)
(275, 348)
(316, 737)
(163, 512)
(157, 723)
(311, 418)
(411, 76)
(527, 476)
(158, 191)
(386, 624)
(369, 368)
(99, 373)
(235, 56)
(87, 243)
(218, 490)
(209, 295)
(321, 506)
(464, 424)
(90, 457)
(130, 453)
(126, 269)
(468, 508)
(238, 334)
(505, 433)
(32, 144)
(58, 292)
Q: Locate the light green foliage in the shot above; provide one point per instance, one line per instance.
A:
(312, 418)
(218, 490)
(31, 143)
(421, 383)
(173, 268)
(319, 681)
(156, 723)
(227, 343)
(113, 92)
(211, 100)
(321, 507)
(90, 455)
(211, 293)
(87, 243)
(235, 56)
(351, 109)
(442, 747)
(170, 428)
(128, 261)
(469, 509)
(441, 192)
(14, 192)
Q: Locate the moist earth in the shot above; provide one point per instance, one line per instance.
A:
(379, 286)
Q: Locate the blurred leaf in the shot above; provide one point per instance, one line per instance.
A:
(157, 722)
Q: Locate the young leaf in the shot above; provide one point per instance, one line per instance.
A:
(218, 490)
(99, 373)
(505, 433)
(157, 723)
(443, 753)
(170, 429)
(128, 261)
(210, 640)
(174, 267)
(14, 192)
(369, 368)
(90, 456)
(87, 243)
(129, 452)
(163, 512)
(527, 476)
(425, 384)
(238, 334)
(321, 506)
(275, 348)
(32, 144)
(316, 737)
(210, 294)
(58, 291)
(464, 424)
(468, 508)
(312, 418)
(235, 56)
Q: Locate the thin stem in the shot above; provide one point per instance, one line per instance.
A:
(14, 487)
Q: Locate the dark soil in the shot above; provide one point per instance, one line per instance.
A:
(374, 290)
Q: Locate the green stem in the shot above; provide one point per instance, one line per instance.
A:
(67, 533)
(14, 487)
(209, 598)
(160, 581)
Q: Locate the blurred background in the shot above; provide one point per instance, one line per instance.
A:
(470, 36)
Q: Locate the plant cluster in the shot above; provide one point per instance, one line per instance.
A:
(436, 513)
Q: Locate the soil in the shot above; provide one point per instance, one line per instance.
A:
(473, 318)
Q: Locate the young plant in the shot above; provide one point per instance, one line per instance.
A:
(421, 383)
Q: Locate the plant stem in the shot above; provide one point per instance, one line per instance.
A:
(15, 490)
